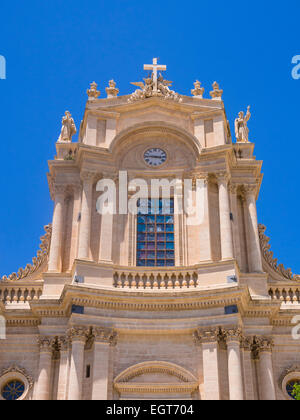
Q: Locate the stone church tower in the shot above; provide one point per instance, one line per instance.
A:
(148, 305)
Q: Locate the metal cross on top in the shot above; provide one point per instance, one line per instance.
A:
(155, 67)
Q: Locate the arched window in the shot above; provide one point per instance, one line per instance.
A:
(155, 233)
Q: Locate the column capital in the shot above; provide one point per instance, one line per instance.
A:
(250, 189)
(247, 343)
(222, 177)
(232, 335)
(77, 333)
(87, 176)
(46, 344)
(104, 335)
(75, 187)
(233, 188)
(57, 190)
(265, 344)
(206, 335)
(203, 176)
(63, 343)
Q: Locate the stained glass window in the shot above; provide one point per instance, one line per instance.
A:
(155, 233)
(13, 390)
(290, 387)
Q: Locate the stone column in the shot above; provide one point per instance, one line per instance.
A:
(63, 343)
(255, 259)
(235, 374)
(225, 223)
(248, 370)
(205, 234)
(77, 191)
(55, 255)
(44, 376)
(267, 385)
(86, 213)
(103, 339)
(78, 338)
(209, 340)
(234, 223)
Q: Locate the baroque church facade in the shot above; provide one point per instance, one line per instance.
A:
(149, 306)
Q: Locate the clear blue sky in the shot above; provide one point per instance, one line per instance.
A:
(54, 49)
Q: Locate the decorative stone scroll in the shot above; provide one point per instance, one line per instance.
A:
(46, 344)
(104, 335)
(207, 335)
(269, 256)
(37, 261)
(63, 343)
(78, 333)
(260, 345)
(233, 334)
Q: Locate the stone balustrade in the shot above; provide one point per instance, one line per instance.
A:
(155, 280)
(285, 294)
(14, 293)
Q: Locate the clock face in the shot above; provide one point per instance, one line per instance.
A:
(155, 157)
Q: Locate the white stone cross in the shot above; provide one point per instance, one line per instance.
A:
(155, 67)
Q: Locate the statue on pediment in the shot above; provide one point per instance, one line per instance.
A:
(241, 127)
(68, 128)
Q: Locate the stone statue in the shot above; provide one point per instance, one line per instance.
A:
(154, 86)
(241, 128)
(68, 128)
